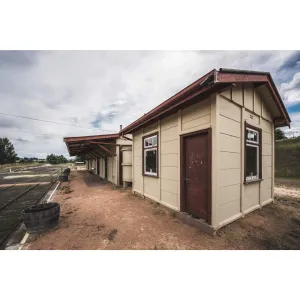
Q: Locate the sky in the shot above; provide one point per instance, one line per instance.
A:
(97, 91)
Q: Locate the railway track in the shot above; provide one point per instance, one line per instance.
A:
(13, 202)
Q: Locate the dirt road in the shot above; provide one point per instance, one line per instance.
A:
(95, 216)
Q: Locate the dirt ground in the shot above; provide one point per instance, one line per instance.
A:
(94, 215)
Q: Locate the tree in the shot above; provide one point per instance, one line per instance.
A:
(56, 159)
(7, 152)
(80, 159)
(279, 135)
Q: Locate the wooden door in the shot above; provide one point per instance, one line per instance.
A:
(196, 175)
(98, 166)
(105, 168)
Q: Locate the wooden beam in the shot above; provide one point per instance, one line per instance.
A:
(106, 150)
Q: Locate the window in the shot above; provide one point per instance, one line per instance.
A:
(150, 152)
(252, 153)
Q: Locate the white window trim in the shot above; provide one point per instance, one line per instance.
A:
(251, 178)
(150, 149)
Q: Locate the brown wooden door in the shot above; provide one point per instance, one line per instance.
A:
(196, 175)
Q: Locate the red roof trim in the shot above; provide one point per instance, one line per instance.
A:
(222, 76)
(247, 76)
(91, 137)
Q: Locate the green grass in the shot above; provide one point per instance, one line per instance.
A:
(288, 143)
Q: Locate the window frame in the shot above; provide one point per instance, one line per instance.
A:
(144, 149)
(259, 157)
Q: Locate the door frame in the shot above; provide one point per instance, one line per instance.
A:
(209, 173)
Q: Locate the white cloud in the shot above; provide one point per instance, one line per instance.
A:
(108, 88)
(290, 91)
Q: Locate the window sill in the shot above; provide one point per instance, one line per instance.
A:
(148, 175)
(253, 181)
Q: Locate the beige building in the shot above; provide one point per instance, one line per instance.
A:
(208, 151)
(108, 156)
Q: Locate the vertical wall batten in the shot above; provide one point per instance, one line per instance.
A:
(242, 159)
(214, 159)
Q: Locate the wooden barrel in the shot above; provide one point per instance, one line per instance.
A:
(67, 171)
(63, 177)
(41, 217)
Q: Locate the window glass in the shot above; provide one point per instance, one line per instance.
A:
(252, 162)
(151, 161)
(150, 142)
(252, 136)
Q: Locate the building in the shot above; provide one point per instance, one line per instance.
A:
(108, 156)
(208, 151)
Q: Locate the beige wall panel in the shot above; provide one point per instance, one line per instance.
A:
(229, 126)
(170, 186)
(266, 161)
(169, 122)
(151, 127)
(169, 160)
(251, 118)
(266, 126)
(229, 193)
(137, 160)
(127, 157)
(229, 143)
(257, 103)
(230, 160)
(127, 173)
(251, 189)
(169, 173)
(229, 177)
(228, 210)
(169, 147)
(151, 185)
(264, 112)
(251, 195)
(266, 138)
(266, 149)
(138, 177)
(229, 109)
(226, 93)
(196, 122)
(237, 94)
(195, 111)
(248, 96)
(267, 172)
(250, 201)
(266, 194)
(170, 199)
(266, 184)
(169, 134)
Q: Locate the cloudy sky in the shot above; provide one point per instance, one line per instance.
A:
(96, 91)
